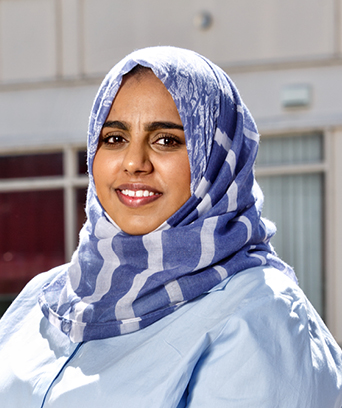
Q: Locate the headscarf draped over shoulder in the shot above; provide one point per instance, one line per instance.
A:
(117, 283)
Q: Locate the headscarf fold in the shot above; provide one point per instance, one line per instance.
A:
(117, 283)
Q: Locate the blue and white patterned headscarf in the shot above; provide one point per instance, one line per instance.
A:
(117, 283)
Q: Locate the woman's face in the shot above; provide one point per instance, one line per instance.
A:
(141, 169)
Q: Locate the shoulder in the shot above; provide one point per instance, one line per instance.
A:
(31, 291)
(272, 350)
(275, 310)
(265, 293)
(25, 302)
(264, 282)
(258, 294)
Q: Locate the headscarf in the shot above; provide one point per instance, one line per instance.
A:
(117, 283)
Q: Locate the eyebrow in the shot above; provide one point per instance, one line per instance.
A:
(149, 127)
(116, 124)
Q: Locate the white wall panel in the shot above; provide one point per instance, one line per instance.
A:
(70, 32)
(28, 39)
(45, 117)
(251, 31)
(113, 28)
(339, 27)
(334, 235)
(261, 91)
(276, 29)
(243, 31)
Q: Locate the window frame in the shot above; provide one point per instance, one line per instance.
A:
(320, 167)
(69, 181)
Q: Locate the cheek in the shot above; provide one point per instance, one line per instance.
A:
(104, 168)
(184, 169)
(97, 169)
(101, 174)
(180, 177)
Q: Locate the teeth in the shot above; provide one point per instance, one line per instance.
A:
(137, 193)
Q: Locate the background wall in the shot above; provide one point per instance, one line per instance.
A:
(54, 54)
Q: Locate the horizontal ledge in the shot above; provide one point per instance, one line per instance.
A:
(42, 183)
(232, 67)
(290, 169)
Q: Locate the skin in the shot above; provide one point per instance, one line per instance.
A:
(142, 149)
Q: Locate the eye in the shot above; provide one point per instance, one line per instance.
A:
(113, 140)
(168, 141)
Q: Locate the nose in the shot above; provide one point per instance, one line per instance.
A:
(137, 159)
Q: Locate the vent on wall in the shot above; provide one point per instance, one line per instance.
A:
(296, 95)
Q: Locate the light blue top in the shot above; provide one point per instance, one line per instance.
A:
(252, 341)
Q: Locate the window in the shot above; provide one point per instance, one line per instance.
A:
(290, 171)
(42, 199)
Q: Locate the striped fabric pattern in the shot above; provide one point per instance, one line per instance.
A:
(117, 283)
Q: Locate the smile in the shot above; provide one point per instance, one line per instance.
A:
(138, 193)
(138, 196)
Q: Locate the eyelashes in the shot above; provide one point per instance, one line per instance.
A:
(168, 141)
(160, 141)
(113, 140)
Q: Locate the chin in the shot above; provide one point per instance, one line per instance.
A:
(135, 229)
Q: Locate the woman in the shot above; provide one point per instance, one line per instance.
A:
(174, 297)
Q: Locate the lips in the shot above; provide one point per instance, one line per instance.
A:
(136, 195)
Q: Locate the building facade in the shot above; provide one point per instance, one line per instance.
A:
(286, 60)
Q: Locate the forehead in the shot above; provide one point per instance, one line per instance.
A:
(146, 95)
(144, 79)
